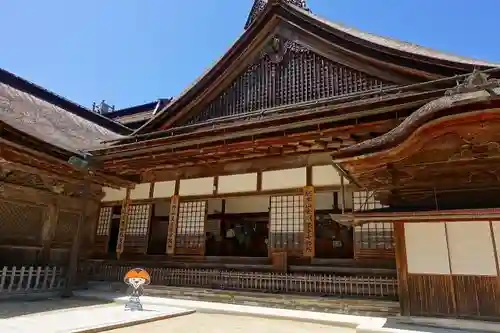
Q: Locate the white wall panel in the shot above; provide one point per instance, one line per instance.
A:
(283, 179)
(196, 186)
(324, 200)
(164, 189)
(214, 206)
(112, 194)
(238, 183)
(426, 248)
(141, 191)
(496, 233)
(471, 248)
(252, 204)
(325, 175)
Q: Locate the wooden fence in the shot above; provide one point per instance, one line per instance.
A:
(30, 280)
(298, 283)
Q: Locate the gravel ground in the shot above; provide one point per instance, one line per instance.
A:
(218, 323)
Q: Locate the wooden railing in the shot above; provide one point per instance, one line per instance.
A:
(28, 280)
(300, 283)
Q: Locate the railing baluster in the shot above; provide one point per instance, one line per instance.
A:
(21, 278)
(30, 277)
(12, 278)
(5, 270)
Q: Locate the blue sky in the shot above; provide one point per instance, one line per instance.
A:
(134, 51)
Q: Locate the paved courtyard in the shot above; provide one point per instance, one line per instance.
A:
(217, 323)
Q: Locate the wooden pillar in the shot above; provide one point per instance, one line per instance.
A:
(123, 224)
(75, 246)
(48, 231)
(172, 224)
(402, 268)
(309, 222)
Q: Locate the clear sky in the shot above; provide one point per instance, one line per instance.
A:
(133, 51)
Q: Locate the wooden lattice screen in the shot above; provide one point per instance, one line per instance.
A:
(21, 223)
(67, 222)
(102, 229)
(301, 76)
(190, 237)
(286, 227)
(372, 240)
(136, 233)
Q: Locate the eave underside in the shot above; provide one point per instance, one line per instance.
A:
(434, 159)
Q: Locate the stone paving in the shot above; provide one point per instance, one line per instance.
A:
(75, 315)
(218, 323)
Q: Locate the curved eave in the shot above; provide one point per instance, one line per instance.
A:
(428, 116)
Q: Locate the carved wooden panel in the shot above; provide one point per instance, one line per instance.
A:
(309, 221)
(20, 223)
(67, 222)
(301, 75)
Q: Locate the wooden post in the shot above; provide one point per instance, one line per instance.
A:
(309, 222)
(172, 224)
(123, 224)
(48, 230)
(75, 247)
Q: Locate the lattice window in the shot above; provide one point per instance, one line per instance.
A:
(375, 235)
(191, 224)
(104, 221)
(300, 77)
(365, 200)
(20, 221)
(138, 220)
(67, 222)
(286, 222)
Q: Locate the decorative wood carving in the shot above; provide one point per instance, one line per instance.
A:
(286, 73)
(120, 244)
(172, 224)
(309, 222)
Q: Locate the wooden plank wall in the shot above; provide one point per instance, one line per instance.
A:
(449, 269)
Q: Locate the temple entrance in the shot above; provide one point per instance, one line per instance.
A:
(114, 229)
(333, 240)
(157, 241)
(237, 227)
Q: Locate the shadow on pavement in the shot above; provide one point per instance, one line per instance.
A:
(9, 309)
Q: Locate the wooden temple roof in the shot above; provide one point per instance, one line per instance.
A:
(136, 116)
(51, 118)
(450, 144)
(287, 26)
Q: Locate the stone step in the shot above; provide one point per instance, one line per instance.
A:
(364, 307)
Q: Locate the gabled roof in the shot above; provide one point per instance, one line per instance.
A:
(280, 17)
(51, 118)
(138, 114)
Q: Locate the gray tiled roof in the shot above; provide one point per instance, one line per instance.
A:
(49, 122)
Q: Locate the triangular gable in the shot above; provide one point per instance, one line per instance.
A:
(252, 76)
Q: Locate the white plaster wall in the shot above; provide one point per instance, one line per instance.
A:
(325, 175)
(251, 204)
(283, 179)
(426, 248)
(324, 200)
(471, 248)
(164, 189)
(141, 191)
(112, 194)
(495, 225)
(197, 186)
(238, 183)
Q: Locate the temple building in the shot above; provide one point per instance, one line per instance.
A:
(311, 158)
